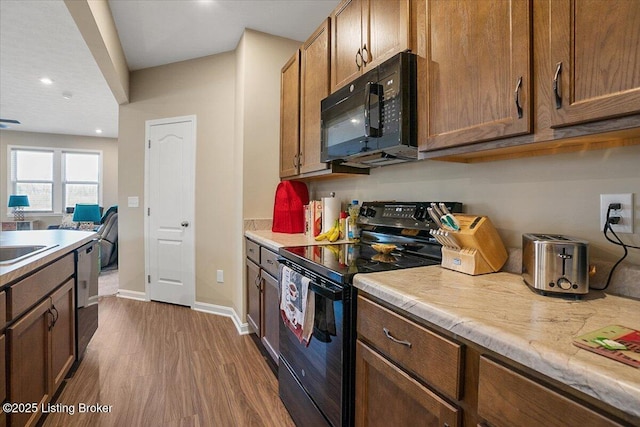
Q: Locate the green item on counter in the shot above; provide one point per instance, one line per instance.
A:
(609, 344)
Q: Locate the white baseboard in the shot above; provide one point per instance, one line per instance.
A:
(220, 310)
(139, 296)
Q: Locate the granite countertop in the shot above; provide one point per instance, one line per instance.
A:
(499, 312)
(60, 242)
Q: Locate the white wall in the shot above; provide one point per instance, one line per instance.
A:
(108, 146)
(236, 99)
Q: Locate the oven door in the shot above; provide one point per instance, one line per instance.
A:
(318, 367)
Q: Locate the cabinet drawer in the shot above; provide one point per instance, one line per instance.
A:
(28, 291)
(269, 261)
(506, 398)
(431, 357)
(253, 251)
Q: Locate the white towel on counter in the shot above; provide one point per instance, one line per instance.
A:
(297, 303)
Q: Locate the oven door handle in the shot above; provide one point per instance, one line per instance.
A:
(332, 293)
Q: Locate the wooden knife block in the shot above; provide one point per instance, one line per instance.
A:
(482, 249)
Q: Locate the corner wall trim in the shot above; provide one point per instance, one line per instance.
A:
(220, 310)
(139, 296)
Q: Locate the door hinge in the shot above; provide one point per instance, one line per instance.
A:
(149, 143)
(148, 211)
(148, 278)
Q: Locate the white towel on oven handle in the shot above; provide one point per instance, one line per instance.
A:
(297, 303)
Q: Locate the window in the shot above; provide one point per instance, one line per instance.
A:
(55, 179)
(32, 174)
(81, 178)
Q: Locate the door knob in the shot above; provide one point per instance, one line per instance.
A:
(185, 223)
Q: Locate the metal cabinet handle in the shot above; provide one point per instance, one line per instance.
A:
(56, 315)
(359, 55)
(300, 162)
(394, 339)
(295, 161)
(51, 321)
(270, 261)
(365, 50)
(517, 97)
(184, 223)
(556, 86)
(257, 280)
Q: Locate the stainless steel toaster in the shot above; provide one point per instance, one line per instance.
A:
(555, 264)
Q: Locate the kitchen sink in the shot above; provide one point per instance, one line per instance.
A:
(13, 254)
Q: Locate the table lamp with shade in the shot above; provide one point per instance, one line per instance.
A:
(86, 215)
(18, 202)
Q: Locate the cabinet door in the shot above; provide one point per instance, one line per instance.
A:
(63, 337)
(478, 78)
(506, 398)
(386, 30)
(314, 81)
(271, 316)
(387, 396)
(290, 117)
(29, 357)
(346, 43)
(254, 297)
(596, 46)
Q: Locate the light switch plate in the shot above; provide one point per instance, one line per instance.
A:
(133, 202)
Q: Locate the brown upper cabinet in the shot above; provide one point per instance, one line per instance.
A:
(477, 80)
(594, 60)
(289, 117)
(314, 83)
(366, 33)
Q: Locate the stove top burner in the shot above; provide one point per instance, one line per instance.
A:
(340, 262)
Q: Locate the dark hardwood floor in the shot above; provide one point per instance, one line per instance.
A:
(158, 364)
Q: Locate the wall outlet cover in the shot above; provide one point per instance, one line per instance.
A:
(625, 212)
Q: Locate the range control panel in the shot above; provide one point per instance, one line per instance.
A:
(401, 214)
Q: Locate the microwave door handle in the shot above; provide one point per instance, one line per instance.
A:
(367, 108)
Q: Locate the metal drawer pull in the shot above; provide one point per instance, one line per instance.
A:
(394, 339)
(270, 261)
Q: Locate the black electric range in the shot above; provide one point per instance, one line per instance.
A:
(316, 381)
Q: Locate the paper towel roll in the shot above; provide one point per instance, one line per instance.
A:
(330, 212)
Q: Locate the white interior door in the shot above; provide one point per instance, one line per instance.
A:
(170, 197)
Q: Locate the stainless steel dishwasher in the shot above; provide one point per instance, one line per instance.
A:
(87, 258)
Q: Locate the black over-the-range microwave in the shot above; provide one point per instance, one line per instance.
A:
(372, 120)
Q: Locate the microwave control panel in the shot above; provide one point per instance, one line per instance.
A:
(390, 105)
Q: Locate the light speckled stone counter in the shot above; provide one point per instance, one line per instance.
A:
(499, 312)
(61, 242)
(274, 241)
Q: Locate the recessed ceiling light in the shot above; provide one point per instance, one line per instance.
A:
(67, 95)
(46, 81)
(98, 130)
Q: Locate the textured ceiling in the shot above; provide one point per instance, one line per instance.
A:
(39, 38)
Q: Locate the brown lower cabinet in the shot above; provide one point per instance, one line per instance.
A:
(507, 398)
(409, 372)
(388, 396)
(263, 299)
(41, 352)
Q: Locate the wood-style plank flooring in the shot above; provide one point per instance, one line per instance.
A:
(163, 365)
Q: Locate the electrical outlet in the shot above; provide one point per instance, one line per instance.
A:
(625, 212)
(220, 275)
